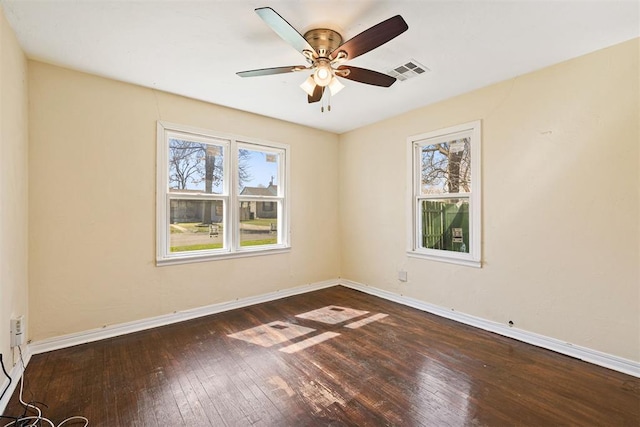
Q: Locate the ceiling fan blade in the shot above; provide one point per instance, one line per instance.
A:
(317, 94)
(269, 71)
(289, 34)
(373, 37)
(369, 77)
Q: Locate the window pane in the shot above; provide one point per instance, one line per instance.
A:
(446, 167)
(258, 173)
(196, 225)
(445, 224)
(195, 167)
(258, 223)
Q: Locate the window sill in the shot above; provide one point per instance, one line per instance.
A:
(450, 260)
(160, 262)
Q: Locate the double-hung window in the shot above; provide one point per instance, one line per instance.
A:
(444, 178)
(219, 196)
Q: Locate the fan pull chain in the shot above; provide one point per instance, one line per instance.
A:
(328, 103)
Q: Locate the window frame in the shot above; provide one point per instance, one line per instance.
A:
(230, 195)
(415, 197)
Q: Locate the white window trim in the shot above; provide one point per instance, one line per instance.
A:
(474, 257)
(230, 197)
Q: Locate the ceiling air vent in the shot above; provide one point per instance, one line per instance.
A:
(410, 69)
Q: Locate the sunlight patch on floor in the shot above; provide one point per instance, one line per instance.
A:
(332, 314)
(272, 333)
(279, 332)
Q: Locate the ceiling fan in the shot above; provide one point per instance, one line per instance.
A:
(325, 52)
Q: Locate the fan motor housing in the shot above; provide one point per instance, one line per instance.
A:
(323, 40)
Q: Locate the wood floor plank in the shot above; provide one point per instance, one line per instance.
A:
(403, 368)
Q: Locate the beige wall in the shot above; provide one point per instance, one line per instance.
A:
(561, 236)
(13, 185)
(92, 206)
(560, 204)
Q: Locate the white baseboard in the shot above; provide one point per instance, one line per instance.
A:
(91, 335)
(583, 353)
(15, 374)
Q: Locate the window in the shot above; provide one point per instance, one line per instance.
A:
(219, 196)
(445, 195)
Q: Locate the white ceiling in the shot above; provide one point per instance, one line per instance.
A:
(194, 48)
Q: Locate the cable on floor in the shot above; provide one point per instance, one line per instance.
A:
(37, 420)
(8, 376)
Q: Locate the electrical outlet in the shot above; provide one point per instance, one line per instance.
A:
(402, 275)
(17, 331)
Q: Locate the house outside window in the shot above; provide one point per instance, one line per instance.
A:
(212, 193)
(444, 181)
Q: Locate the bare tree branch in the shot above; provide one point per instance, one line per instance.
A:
(445, 169)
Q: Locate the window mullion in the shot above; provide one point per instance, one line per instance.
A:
(234, 214)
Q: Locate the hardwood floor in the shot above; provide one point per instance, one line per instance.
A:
(407, 368)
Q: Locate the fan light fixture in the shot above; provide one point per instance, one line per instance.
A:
(335, 86)
(323, 76)
(309, 85)
(323, 73)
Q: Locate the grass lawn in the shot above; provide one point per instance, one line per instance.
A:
(198, 247)
(261, 221)
(270, 241)
(207, 246)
